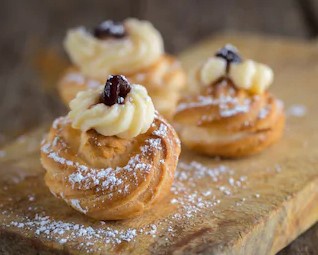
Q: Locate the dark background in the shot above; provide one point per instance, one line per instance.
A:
(33, 28)
(32, 32)
(182, 22)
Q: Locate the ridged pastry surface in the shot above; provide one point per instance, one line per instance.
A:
(227, 121)
(106, 177)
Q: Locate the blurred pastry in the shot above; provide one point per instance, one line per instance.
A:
(234, 114)
(133, 48)
(113, 156)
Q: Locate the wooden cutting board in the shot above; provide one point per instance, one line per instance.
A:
(255, 205)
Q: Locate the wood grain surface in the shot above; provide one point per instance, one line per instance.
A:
(256, 205)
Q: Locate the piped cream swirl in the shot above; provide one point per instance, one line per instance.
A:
(249, 75)
(126, 120)
(96, 58)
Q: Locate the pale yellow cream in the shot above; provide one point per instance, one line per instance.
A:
(213, 69)
(98, 58)
(252, 76)
(126, 120)
(249, 75)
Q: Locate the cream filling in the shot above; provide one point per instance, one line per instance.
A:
(126, 120)
(98, 58)
(248, 75)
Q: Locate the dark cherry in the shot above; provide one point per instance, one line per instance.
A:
(115, 91)
(110, 28)
(230, 54)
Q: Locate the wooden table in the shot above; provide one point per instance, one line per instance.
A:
(276, 205)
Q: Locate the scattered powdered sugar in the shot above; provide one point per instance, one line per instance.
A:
(109, 178)
(80, 79)
(278, 168)
(203, 101)
(225, 190)
(31, 197)
(91, 238)
(195, 170)
(76, 203)
(193, 190)
(93, 84)
(197, 188)
(75, 77)
(297, 110)
(63, 240)
(227, 110)
(66, 231)
(162, 131)
(192, 204)
(228, 105)
(155, 143)
(153, 230)
(264, 112)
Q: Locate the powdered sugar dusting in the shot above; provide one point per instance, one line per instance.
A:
(64, 232)
(228, 106)
(199, 189)
(162, 131)
(264, 112)
(76, 203)
(79, 79)
(193, 190)
(108, 179)
(297, 110)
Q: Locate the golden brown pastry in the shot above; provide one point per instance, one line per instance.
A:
(133, 48)
(113, 156)
(234, 115)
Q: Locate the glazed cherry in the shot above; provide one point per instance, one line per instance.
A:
(230, 54)
(115, 91)
(109, 29)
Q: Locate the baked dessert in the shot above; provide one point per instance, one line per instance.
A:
(234, 114)
(113, 156)
(133, 48)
